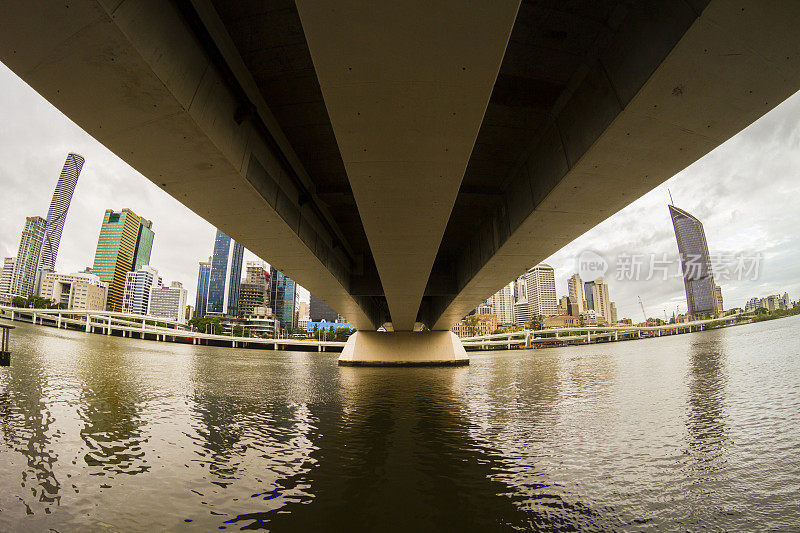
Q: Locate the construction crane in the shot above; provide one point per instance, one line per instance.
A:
(644, 313)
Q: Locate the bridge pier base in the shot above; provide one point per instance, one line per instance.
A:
(403, 348)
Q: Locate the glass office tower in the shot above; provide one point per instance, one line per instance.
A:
(698, 279)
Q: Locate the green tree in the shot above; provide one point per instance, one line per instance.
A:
(472, 322)
(535, 322)
(238, 331)
(207, 324)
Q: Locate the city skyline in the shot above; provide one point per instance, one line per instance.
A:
(36, 137)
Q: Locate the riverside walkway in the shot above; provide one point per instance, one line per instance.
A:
(145, 327)
(584, 335)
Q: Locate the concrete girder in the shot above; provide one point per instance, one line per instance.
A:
(134, 76)
(406, 86)
(629, 126)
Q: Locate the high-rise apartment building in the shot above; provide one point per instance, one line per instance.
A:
(718, 305)
(116, 252)
(5, 279)
(282, 297)
(57, 214)
(203, 277)
(144, 244)
(79, 291)
(522, 313)
(503, 305)
(576, 296)
(601, 299)
(540, 284)
(235, 279)
(168, 302)
(319, 311)
(138, 285)
(23, 278)
(303, 310)
(698, 278)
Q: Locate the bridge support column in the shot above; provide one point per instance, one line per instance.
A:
(403, 348)
(108, 328)
(616, 335)
(34, 319)
(88, 323)
(58, 322)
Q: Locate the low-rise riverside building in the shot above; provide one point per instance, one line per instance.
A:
(561, 321)
(475, 325)
(78, 291)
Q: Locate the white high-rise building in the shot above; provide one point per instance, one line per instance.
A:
(79, 291)
(138, 284)
(5, 279)
(503, 305)
(522, 313)
(168, 302)
(23, 279)
(540, 283)
(576, 297)
(57, 214)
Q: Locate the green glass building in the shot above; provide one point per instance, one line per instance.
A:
(119, 250)
(144, 244)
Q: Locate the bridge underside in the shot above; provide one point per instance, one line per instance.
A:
(404, 162)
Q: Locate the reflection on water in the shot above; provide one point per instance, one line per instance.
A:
(110, 409)
(669, 433)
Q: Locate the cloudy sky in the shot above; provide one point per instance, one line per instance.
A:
(746, 193)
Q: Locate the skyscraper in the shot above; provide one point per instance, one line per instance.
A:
(57, 214)
(235, 279)
(522, 313)
(698, 278)
(540, 283)
(23, 278)
(588, 292)
(503, 305)
(282, 296)
(144, 244)
(203, 276)
(720, 308)
(253, 291)
(116, 250)
(5, 279)
(219, 274)
(601, 299)
(576, 297)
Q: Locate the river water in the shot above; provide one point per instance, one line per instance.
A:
(689, 432)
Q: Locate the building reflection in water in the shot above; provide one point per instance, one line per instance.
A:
(705, 418)
(111, 409)
(393, 450)
(25, 427)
